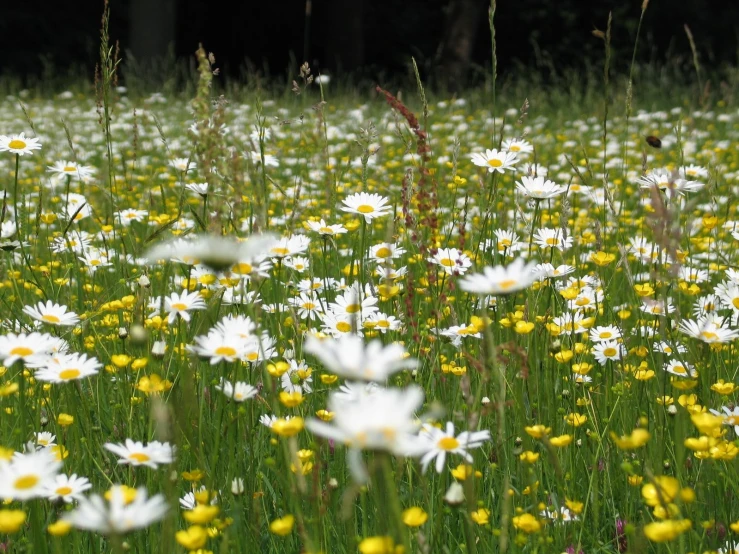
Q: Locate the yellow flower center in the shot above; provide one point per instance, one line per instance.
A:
(252, 356)
(242, 268)
(507, 284)
(179, 306)
(708, 335)
(225, 351)
(16, 144)
(280, 251)
(326, 230)
(68, 374)
(50, 318)
(343, 326)
(735, 303)
(139, 457)
(606, 335)
(495, 162)
(365, 209)
(514, 148)
(552, 241)
(383, 252)
(448, 443)
(63, 491)
(69, 168)
(309, 306)
(679, 369)
(609, 352)
(26, 482)
(352, 308)
(21, 351)
(384, 323)
(447, 262)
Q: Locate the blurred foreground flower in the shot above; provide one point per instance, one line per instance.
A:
(119, 515)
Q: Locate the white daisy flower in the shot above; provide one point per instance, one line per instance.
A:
(440, 443)
(136, 453)
(53, 314)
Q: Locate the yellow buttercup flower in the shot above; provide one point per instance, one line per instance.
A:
(282, 526)
(662, 491)
(11, 520)
(637, 439)
(414, 517)
(192, 538)
(537, 431)
(481, 516)
(527, 523)
(667, 530)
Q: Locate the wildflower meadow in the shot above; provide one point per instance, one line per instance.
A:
(312, 323)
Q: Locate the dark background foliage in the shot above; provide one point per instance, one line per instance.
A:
(364, 38)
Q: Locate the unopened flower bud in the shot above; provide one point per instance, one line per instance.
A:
(237, 486)
(144, 281)
(454, 495)
(122, 333)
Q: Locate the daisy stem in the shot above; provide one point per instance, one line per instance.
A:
(37, 525)
(385, 475)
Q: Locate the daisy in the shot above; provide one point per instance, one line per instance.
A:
(708, 330)
(604, 332)
(730, 416)
(63, 169)
(505, 241)
(26, 476)
(539, 188)
(53, 314)
(495, 160)
(183, 164)
(608, 350)
(67, 367)
(126, 217)
(501, 279)
(200, 189)
(19, 144)
(385, 251)
(384, 420)
(548, 271)
(298, 378)
(349, 304)
(324, 229)
(368, 205)
(120, 515)
(214, 251)
(553, 238)
(681, 369)
(189, 502)
(458, 332)
(178, 304)
(440, 442)
(219, 347)
(67, 488)
(45, 439)
(307, 306)
(350, 357)
(259, 348)
(33, 348)
(518, 146)
(298, 264)
(137, 454)
(452, 261)
(382, 322)
(290, 246)
(238, 391)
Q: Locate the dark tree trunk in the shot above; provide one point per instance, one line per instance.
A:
(345, 35)
(462, 22)
(152, 28)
